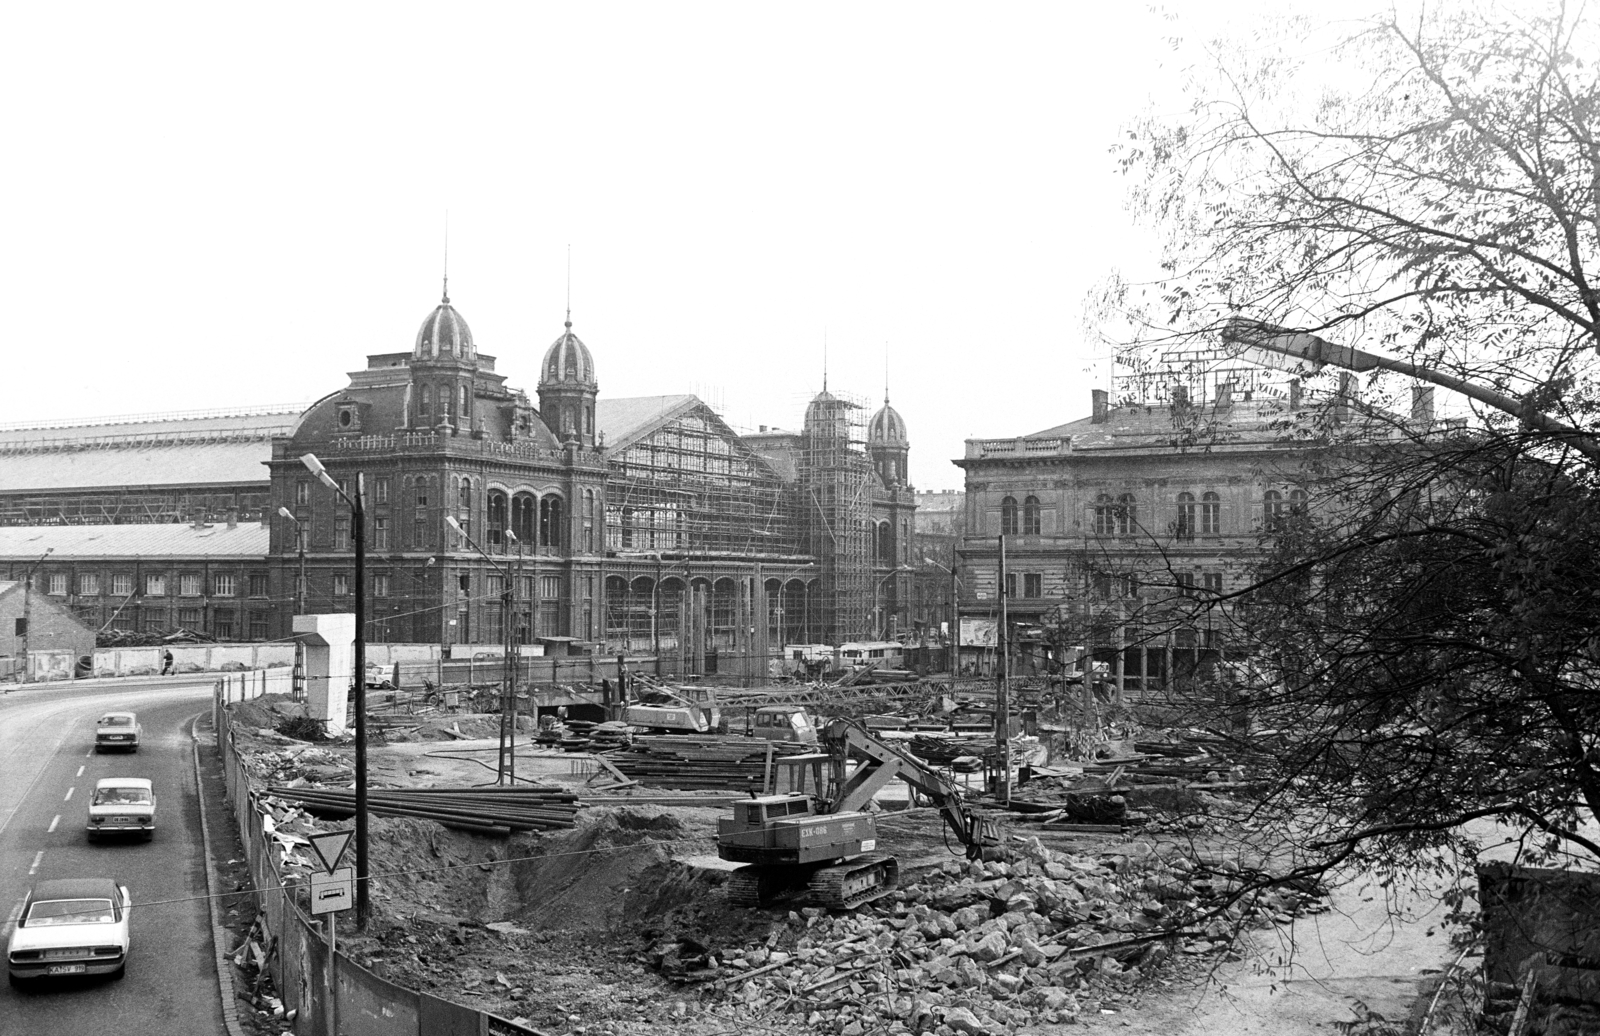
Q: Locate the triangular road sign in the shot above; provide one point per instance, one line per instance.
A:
(329, 846)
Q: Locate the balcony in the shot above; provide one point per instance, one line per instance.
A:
(1052, 447)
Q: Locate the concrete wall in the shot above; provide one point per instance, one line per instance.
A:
(192, 658)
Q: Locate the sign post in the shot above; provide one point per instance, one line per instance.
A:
(332, 892)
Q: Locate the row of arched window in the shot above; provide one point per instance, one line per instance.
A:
(1030, 517)
(533, 520)
(1119, 515)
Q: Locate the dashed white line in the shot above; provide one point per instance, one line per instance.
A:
(69, 794)
(81, 769)
(38, 858)
(54, 822)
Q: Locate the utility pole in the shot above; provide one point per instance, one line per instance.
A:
(1002, 711)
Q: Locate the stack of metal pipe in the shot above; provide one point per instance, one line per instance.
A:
(490, 810)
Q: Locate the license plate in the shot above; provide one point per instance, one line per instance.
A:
(67, 969)
(121, 820)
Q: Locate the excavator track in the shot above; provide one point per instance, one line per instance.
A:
(744, 888)
(848, 885)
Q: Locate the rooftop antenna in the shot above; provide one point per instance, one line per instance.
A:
(824, 359)
(446, 257)
(885, 373)
(569, 286)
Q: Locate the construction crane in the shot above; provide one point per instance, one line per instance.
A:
(828, 847)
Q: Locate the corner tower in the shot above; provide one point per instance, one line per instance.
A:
(889, 445)
(443, 363)
(567, 389)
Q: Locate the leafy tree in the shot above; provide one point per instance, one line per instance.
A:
(1427, 187)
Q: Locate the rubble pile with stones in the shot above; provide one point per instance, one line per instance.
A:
(999, 947)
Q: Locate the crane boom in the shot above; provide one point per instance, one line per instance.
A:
(878, 763)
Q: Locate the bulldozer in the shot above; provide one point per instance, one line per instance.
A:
(825, 848)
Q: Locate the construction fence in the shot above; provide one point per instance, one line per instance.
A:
(296, 942)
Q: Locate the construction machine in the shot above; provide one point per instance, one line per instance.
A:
(827, 846)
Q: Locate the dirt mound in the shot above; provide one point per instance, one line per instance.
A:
(580, 879)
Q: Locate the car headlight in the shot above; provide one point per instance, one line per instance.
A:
(97, 820)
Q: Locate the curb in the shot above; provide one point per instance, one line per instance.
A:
(219, 934)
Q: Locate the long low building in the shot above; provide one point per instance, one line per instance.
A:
(208, 577)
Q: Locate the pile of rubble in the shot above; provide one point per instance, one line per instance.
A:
(994, 947)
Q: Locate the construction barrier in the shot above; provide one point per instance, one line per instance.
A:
(296, 947)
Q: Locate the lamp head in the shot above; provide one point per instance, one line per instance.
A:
(512, 537)
(287, 513)
(450, 520)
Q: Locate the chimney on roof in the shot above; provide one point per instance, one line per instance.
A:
(1422, 404)
(1100, 397)
(1225, 395)
(1349, 393)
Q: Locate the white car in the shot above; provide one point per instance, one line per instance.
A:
(117, 730)
(71, 926)
(122, 806)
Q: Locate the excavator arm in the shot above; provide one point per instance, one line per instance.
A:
(878, 763)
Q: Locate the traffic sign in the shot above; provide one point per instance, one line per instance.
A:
(329, 846)
(333, 892)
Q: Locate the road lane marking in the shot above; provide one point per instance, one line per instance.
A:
(81, 769)
(54, 822)
(69, 794)
(38, 858)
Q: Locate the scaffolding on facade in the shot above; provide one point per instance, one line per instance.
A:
(836, 476)
(709, 536)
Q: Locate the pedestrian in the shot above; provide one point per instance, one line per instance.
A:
(166, 662)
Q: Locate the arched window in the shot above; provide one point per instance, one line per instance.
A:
(1298, 501)
(1008, 516)
(464, 494)
(1273, 510)
(627, 527)
(1127, 515)
(550, 520)
(1184, 530)
(1210, 514)
(497, 514)
(1105, 515)
(885, 542)
(522, 511)
(1030, 516)
(425, 408)
(466, 404)
(447, 403)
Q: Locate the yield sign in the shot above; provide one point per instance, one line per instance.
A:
(329, 846)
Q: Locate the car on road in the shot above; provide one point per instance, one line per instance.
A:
(122, 806)
(70, 927)
(119, 730)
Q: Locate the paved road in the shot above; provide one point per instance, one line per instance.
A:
(47, 770)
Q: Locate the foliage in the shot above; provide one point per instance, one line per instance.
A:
(1429, 188)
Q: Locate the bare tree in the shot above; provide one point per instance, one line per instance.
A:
(1431, 620)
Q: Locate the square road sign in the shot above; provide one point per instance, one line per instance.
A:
(332, 892)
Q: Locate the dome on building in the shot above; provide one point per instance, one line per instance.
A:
(888, 428)
(828, 415)
(567, 362)
(444, 334)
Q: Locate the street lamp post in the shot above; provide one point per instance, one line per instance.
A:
(507, 770)
(359, 523)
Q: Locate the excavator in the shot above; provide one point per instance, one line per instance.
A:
(827, 847)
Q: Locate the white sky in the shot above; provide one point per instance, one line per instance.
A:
(214, 205)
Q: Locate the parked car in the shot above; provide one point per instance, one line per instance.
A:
(70, 926)
(118, 730)
(122, 806)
